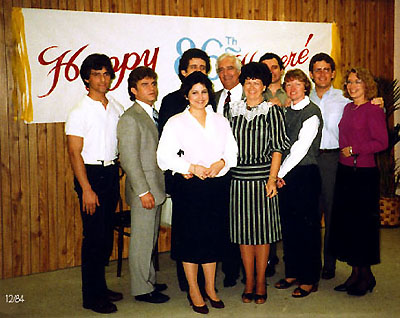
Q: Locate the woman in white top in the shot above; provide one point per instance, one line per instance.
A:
(199, 147)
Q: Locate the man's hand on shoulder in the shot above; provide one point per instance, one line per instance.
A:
(378, 101)
(148, 201)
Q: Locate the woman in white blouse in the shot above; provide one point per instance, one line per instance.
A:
(199, 147)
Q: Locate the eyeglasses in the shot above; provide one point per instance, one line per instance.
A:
(322, 69)
(357, 82)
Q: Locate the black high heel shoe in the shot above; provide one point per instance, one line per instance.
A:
(199, 309)
(215, 303)
(350, 281)
(247, 297)
(260, 299)
(362, 287)
(341, 288)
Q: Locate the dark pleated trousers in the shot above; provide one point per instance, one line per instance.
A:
(97, 243)
(301, 228)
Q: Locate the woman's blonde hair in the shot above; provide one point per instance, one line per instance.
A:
(371, 89)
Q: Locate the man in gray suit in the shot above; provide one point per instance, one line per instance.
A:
(145, 190)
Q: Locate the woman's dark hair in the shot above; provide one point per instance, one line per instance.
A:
(95, 62)
(255, 70)
(192, 54)
(195, 78)
(298, 74)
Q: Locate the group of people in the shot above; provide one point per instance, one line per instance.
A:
(223, 157)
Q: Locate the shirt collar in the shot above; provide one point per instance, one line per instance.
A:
(236, 92)
(300, 105)
(147, 108)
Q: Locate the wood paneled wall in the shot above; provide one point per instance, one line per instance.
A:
(40, 226)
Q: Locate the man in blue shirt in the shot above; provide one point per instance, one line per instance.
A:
(331, 102)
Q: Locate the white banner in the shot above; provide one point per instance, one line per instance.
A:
(58, 41)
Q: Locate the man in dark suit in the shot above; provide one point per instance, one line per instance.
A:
(228, 69)
(145, 190)
(174, 103)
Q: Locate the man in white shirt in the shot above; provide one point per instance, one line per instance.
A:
(145, 189)
(331, 103)
(91, 130)
(228, 68)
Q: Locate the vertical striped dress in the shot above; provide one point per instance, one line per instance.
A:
(260, 131)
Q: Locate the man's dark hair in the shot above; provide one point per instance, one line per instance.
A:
(95, 62)
(321, 57)
(255, 70)
(270, 56)
(192, 54)
(138, 74)
(196, 78)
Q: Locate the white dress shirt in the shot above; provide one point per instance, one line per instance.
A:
(301, 146)
(98, 128)
(332, 105)
(147, 108)
(236, 95)
(196, 144)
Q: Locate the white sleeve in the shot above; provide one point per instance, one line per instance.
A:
(168, 149)
(230, 151)
(301, 146)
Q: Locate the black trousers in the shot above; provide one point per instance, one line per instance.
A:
(97, 243)
(301, 227)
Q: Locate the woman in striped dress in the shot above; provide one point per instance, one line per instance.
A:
(259, 129)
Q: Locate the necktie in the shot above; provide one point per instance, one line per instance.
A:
(226, 105)
(155, 116)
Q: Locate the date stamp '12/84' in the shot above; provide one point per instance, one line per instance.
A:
(14, 299)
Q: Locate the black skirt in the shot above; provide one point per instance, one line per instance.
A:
(355, 216)
(199, 219)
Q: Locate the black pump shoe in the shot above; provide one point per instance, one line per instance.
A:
(215, 303)
(199, 309)
(341, 288)
(357, 290)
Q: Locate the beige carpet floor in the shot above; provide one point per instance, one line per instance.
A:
(57, 294)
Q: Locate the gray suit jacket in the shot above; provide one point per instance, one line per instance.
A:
(137, 144)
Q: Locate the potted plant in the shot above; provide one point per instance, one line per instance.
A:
(388, 167)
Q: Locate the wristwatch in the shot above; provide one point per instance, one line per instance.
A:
(351, 150)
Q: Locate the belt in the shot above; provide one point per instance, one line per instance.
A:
(251, 172)
(329, 150)
(105, 163)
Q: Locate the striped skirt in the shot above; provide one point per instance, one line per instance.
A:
(254, 218)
